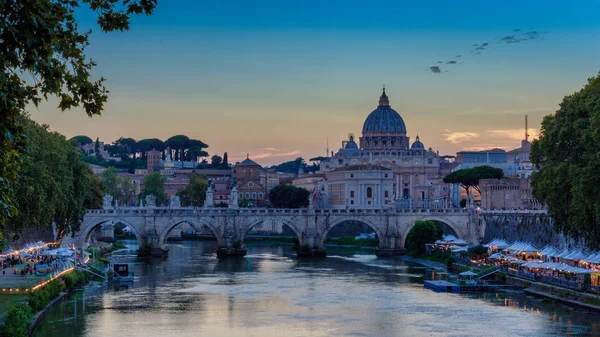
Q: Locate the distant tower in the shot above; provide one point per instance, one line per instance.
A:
(526, 134)
(327, 150)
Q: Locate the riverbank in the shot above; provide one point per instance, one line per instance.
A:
(425, 262)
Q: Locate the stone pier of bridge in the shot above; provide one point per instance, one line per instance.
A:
(152, 225)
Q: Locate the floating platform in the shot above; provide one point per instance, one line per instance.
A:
(449, 287)
(442, 286)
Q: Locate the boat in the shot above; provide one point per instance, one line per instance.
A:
(121, 273)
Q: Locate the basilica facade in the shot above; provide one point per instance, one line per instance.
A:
(382, 170)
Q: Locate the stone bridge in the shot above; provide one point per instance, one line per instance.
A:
(152, 225)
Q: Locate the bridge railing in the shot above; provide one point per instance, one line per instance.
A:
(192, 211)
(514, 211)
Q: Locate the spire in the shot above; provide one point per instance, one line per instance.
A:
(383, 100)
(417, 138)
(247, 155)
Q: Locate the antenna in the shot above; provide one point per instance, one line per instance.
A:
(526, 134)
(327, 150)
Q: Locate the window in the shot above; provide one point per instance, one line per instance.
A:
(247, 195)
(351, 194)
(405, 161)
(351, 202)
(369, 202)
(250, 184)
(429, 161)
(260, 195)
(241, 195)
(386, 194)
(416, 162)
(253, 195)
(351, 175)
(405, 178)
(386, 202)
(369, 193)
(385, 175)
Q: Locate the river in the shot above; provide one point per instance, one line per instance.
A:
(271, 293)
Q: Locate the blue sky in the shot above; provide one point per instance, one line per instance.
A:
(276, 78)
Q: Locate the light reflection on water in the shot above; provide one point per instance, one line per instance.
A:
(271, 293)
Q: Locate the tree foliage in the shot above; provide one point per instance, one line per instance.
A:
(216, 161)
(567, 154)
(194, 193)
(289, 196)
(120, 188)
(43, 54)
(422, 233)
(154, 184)
(82, 140)
(53, 183)
(470, 177)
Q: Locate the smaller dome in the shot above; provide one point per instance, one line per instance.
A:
(351, 145)
(417, 145)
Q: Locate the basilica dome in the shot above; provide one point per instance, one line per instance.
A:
(384, 119)
(417, 145)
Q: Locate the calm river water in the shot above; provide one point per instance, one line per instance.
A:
(270, 293)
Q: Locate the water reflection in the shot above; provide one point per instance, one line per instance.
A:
(271, 293)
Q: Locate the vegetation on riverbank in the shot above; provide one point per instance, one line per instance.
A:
(446, 259)
(19, 316)
(350, 240)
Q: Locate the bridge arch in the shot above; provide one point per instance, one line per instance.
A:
(446, 222)
(192, 222)
(90, 226)
(377, 229)
(282, 221)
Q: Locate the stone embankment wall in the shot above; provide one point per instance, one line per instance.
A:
(535, 228)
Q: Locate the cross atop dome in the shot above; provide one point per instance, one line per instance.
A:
(383, 100)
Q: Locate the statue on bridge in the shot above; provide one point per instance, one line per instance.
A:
(175, 202)
(208, 200)
(151, 201)
(107, 201)
(233, 197)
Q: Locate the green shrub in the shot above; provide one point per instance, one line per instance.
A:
(423, 232)
(17, 322)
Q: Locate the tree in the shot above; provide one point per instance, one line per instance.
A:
(53, 183)
(127, 147)
(43, 54)
(244, 203)
(145, 145)
(215, 161)
(292, 166)
(178, 143)
(289, 196)
(110, 182)
(422, 233)
(194, 193)
(225, 163)
(82, 140)
(120, 188)
(154, 184)
(470, 177)
(194, 153)
(567, 155)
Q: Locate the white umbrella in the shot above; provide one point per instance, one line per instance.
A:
(468, 273)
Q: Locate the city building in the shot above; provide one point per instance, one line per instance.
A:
(507, 193)
(415, 171)
(358, 186)
(254, 182)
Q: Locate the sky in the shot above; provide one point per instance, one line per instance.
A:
(280, 79)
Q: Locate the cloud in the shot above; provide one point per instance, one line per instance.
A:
(440, 62)
(451, 62)
(459, 137)
(513, 134)
(270, 153)
(517, 30)
(528, 36)
(435, 69)
(482, 147)
(480, 111)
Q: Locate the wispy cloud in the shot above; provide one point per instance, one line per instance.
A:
(481, 147)
(435, 69)
(513, 134)
(459, 137)
(268, 152)
(478, 111)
